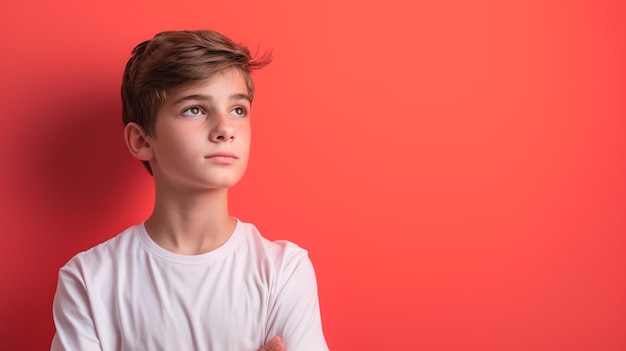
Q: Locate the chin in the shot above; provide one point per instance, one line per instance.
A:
(223, 183)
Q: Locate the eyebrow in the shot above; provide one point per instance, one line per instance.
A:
(200, 97)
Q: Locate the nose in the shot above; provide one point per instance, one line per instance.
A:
(223, 129)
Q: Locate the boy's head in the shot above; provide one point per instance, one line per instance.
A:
(173, 59)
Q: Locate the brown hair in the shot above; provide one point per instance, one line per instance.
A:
(175, 58)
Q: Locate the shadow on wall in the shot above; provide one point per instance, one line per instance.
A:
(67, 190)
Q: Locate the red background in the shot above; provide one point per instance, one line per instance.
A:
(456, 169)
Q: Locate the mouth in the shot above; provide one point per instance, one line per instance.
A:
(222, 158)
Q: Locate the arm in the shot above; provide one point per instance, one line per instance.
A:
(294, 306)
(74, 325)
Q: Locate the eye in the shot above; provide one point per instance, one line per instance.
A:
(239, 111)
(193, 111)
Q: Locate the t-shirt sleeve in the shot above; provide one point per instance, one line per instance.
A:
(72, 314)
(294, 313)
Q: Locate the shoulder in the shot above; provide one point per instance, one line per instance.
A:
(278, 252)
(104, 254)
(281, 261)
(292, 305)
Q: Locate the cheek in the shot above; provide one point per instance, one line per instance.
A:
(245, 135)
(177, 144)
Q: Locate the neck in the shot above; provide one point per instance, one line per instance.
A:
(192, 222)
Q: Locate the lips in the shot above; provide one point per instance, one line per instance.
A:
(222, 157)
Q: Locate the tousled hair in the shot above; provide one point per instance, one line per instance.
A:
(175, 58)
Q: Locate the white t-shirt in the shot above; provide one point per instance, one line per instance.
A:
(128, 293)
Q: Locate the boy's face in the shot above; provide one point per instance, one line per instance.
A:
(201, 136)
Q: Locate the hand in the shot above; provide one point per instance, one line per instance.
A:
(275, 344)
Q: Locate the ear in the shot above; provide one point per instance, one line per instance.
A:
(138, 142)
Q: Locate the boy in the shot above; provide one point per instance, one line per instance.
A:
(191, 277)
